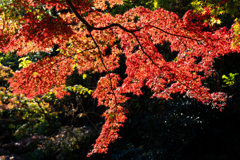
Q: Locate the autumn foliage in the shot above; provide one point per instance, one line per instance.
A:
(83, 34)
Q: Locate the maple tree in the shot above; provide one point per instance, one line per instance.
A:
(83, 33)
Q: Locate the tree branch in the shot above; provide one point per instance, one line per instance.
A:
(175, 34)
(90, 27)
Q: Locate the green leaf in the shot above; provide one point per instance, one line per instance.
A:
(224, 77)
(24, 62)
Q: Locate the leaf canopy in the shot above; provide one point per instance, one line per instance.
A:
(83, 31)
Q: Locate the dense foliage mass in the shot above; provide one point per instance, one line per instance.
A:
(144, 50)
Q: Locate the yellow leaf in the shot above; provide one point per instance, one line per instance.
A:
(84, 76)
(219, 21)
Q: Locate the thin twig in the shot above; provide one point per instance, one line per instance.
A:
(101, 58)
(175, 34)
(90, 27)
(87, 116)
